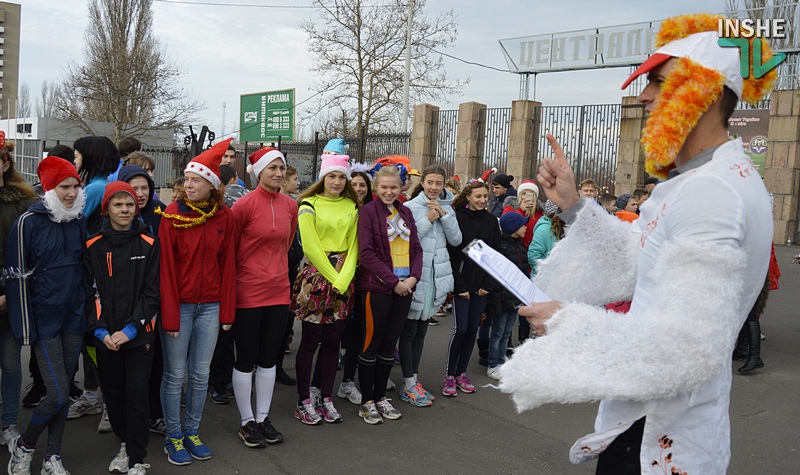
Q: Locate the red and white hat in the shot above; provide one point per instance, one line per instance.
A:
(53, 170)
(207, 163)
(528, 185)
(263, 157)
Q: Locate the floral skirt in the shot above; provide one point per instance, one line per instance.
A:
(316, 300)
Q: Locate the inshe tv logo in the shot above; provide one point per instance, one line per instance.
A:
(735, 33)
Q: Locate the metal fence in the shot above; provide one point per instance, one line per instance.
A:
(589, 136)
(494, 126)
(444, 128)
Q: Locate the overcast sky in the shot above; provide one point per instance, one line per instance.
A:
(228, 50)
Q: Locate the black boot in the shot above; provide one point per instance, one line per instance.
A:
(754, 355)
(283, 377)
(524, 334)
(740, 352)
(483, 352)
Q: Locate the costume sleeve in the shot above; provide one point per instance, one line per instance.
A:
(451, 230)
(312, 246)
(540, 247)
(168, 276)
(227, 265)
(146, 307)
(596, 244)
(18, 271)
(370, 262)
(348, 270)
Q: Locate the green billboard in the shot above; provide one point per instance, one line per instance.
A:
(265, 116)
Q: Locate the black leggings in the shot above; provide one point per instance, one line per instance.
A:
(412, 341)
(466, 318)
(259, 332)
(622, 455)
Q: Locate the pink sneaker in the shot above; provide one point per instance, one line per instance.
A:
(464, 384)
(326, 410)
(450, 387)
(307, 413)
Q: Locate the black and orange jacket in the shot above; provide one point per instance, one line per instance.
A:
(121, 279)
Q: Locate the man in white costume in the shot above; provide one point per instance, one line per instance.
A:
(692, 264)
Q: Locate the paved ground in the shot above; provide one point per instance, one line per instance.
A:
(478, 433)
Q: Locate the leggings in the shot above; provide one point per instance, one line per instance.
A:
(57, 359)
(259, 332)
(384, 318)
(412, 341)
(466, 318)
(330, 335)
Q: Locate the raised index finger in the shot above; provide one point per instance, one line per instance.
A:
(558, 152)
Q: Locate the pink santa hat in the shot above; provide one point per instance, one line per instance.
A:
(334, 163)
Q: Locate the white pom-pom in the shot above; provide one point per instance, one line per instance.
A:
(249, 168)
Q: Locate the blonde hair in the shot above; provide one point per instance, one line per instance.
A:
(387, 172)
(141, 159)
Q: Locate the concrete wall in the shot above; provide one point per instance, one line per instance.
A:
(782, 170)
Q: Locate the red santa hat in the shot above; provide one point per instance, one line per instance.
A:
(528, 185)
(53, 170)
(117, 187)
(207, 163)
(261, 158)
(485, 177)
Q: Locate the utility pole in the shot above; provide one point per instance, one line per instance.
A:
(407, 78)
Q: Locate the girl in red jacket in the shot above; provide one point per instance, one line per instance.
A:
(198, 294)
(266, 221)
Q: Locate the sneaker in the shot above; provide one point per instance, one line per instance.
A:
(450, 387)
(84, 407)
(283, 377)
(327, 411)
(35, 395)
(271, 434)
(9, 434)
(157, 426)
(307, 413)
(104, 427)
(415, 396)
(219, 396)
(427, 393)
(433, 322)
(494, 373)
(390, 386)
(229, 391)
(251, 435)
(139, 469)
(120, 462)
(386, 410)
(396, 356)
(20, 461)
(369, 412)
(316, 394)
(441, 312)
(176, 452)
(196, 448)
(464, 384)
(349, 391)
(53, 466)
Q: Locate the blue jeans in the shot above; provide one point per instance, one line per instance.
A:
(11, 382)
(502, 326)
(195, 341)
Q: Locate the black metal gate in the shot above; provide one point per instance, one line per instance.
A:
(494, 126)
(444, 128)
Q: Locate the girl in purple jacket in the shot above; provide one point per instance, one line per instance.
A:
(391, 265)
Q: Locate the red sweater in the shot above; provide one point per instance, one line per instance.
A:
(197, 265)
(265, 227)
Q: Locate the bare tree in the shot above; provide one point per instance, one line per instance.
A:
(788, 10)
(360, 49)
(45, 103)
(24, 101)
(126, 78)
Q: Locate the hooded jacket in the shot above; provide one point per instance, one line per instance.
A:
(146, 212)
(12, 204)
(496, 203)
(469, 276)
(43, 270)
(123, 267)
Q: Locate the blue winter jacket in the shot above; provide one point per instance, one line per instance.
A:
(43, 271)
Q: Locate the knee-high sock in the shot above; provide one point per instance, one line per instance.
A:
(265, 386)
(242, 385)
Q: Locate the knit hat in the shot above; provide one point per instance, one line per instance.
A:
(207, 163)
(53, 170)
(263, 157)
(503, 180)
(334, 163)
(335, 147)
(528, 185)
(510, 222)
(117, 187)
(550, 207)
(622, 201)
(485, 177)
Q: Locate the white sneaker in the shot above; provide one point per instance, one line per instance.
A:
(120, 462)
(390, 386)
(84, 407)
(105, 425)
(493, 373)
(350, 392)
(139, 469)
(53, 466)
(20, 461)
(9, 433)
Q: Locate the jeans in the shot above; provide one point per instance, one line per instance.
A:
(502, 326)
(195, 341)
(11, 382)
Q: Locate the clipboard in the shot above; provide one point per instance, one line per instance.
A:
(505, 272)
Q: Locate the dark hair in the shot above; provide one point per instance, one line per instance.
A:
(226, 174)
(651, 180)
(290, 170)
(639, 193)
(230, 147)
(100, 157)
(128, 145)
(62, 151)
(431, 170)
(608, 198)
(11, 177)
(728, 105)
(461, 200)
(368, 179)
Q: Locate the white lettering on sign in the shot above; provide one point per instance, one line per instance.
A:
(283, 97)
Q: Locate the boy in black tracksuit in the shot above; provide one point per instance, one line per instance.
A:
(121, 278)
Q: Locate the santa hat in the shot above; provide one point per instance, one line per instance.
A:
(334, 163)
(207, 163)
(263, 157)
(112, 189)
(528, 185)
(53, 170)
(485, 177)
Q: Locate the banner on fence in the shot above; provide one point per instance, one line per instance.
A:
(266, 116)
(751, 127)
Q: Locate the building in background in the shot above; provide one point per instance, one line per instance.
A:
(10, 14)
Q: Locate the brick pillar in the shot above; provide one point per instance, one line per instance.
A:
(782, 170)
(421, 153)
(521, 159)
(468, 156)
(630, 158)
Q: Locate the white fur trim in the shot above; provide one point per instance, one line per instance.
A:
(325, 171)
(679, 343)
(203, 171)
(265, 160)
(60, 213)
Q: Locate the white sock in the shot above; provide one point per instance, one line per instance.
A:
(242, 384)
(265, 386)
(416, 378)
(91, 396)
(410, 382)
